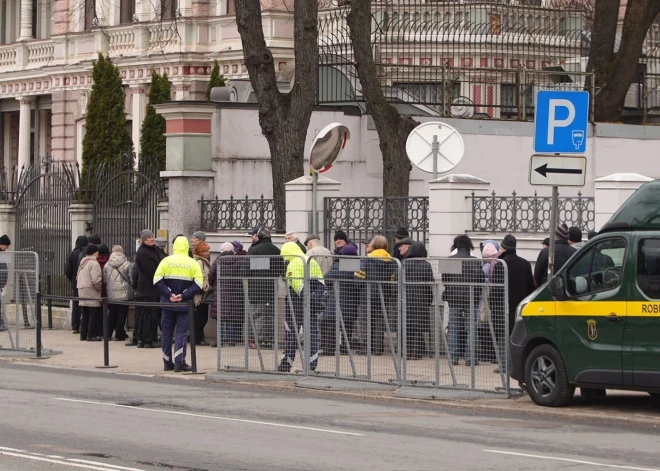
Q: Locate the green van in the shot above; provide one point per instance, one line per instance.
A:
(596, 324)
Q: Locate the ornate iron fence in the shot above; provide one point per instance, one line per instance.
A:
(239, 214)
(363, 218)
(529, 213)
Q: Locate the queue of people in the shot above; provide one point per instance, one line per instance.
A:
(367, 298)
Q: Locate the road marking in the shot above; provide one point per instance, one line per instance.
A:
(214, 417)
(25, 455)
(113, 466)
(554, 458)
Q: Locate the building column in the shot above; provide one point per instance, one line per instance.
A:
(612, 191)
(450, 209)
(24, 131)
(299, 204)
(26, 21)
(188, 162)
(7, 140)
(81, 216)
(139, 102)
(43, 132)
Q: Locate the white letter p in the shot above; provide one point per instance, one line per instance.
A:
(559, 123)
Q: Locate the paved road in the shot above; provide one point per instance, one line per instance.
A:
(63, 420)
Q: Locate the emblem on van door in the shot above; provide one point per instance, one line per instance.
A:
(592, 330)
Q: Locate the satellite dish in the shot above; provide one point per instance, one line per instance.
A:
(450, 147)
(462, 107)
(327, 146)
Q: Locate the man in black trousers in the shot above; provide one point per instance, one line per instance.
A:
(147, 259)
(71, 272)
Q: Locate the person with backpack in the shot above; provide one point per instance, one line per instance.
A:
(118, 288)
(202, 253)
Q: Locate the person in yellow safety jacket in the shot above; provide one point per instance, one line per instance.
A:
(178, 278)
(295, 280)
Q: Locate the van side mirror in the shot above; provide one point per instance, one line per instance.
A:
(558, 288)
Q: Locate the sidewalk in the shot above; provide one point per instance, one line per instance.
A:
(621, 407)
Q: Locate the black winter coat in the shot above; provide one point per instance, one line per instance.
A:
(521, 284)
(418, 280)
(563, 251)
(458, 285)
(4, 274)
(349, 291)
(262, 291)
(147, 260)
(73, 262)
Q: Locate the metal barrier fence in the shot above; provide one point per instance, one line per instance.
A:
(431, 322)
(19, 276)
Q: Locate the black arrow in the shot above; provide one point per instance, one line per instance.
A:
(544, 170)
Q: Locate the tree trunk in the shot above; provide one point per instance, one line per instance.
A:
(393, 129)
(284, 118)
(614, 72)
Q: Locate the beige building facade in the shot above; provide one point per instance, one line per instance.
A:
(47, 48)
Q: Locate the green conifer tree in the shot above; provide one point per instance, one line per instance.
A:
(152, 134)
(217, 80)
(107, 140)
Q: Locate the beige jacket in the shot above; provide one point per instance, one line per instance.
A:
(206, 268)
(90, 281)
(323, 256)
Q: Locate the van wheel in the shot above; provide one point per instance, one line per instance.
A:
(546, 378)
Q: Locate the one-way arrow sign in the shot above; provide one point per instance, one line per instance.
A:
(557, 170)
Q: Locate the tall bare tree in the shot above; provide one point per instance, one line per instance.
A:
(393, 128)
(615, 71)
(283, 117)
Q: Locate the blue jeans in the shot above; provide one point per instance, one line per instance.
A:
(460, 336)
(170, 320)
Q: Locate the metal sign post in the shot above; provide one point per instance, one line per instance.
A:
(435, 140)
(315, 212)
(553, 227)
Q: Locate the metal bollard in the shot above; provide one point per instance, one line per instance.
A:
(38, 331)
(106, 335)
(193, 340)
(49, 301)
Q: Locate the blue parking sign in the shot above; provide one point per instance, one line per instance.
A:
(561, 122)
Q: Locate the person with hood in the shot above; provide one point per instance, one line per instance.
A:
(575, 238)
(4, 274)
(90, 285)
(94, 239)
(343, 282)
(226, 273)
(202, 254)
(71, 270)
(563, 251)
(341, 240)
(118, 288)
(419, 283)
(462, 294)
(147, 259)
(378, 273)
(262, 288)
(178, 278)
(295, 281)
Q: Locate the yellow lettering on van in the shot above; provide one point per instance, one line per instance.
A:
(643, 309)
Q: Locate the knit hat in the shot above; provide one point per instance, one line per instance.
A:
(341, 235)
(91, 249)
(546, 242)
(4, 240)
(199, 235)
(349, 250)
(562, 231)
(117, 248)
(238, 245)
(95, 239)
(254, 231)
(489, 251)
(146, 234)
(227, 247)
(161, 242)
(401, 233)
(575, 234)
(509, 242)
(104, 250)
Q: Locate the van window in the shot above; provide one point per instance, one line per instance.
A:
(598, 269)
(648, 267)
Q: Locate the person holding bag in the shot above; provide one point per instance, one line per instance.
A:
(118, 288)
